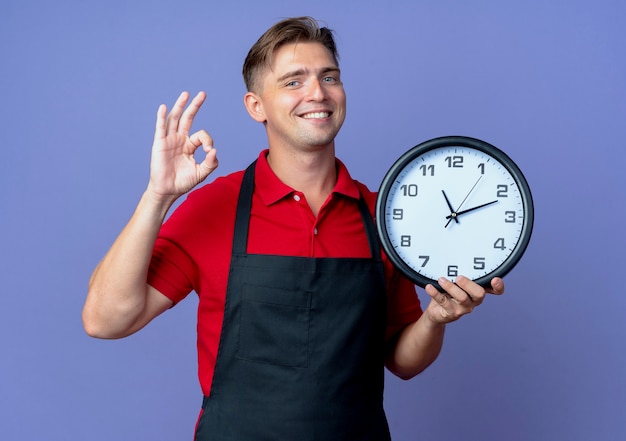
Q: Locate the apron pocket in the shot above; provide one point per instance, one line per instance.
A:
(274, 326)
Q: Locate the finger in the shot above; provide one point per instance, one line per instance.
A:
(189, 114)
(210, 162)
(436, 295)
(200, 138)
(447, 309)
(497, 286)
(174, 117)
(159, 131)
(456, 293)
(474, 291)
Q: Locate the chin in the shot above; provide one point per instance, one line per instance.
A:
(320, 140)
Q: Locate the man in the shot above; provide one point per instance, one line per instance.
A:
(298, 308)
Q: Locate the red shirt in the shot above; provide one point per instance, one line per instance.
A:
(193, 250)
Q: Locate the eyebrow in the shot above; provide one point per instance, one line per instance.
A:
(298, 72)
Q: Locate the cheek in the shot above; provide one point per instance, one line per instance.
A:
(340, 98)
(283, 104)
(341, 104)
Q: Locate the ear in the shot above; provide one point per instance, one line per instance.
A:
(254, 106)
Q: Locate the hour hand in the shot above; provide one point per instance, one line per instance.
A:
(452, 214)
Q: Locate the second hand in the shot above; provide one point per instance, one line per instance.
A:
(454, 213)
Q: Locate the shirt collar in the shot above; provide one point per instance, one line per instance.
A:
(271, 189)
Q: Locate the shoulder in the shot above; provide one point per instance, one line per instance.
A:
(346, 184)
(206, 207)
(368, 195)
(222, 190)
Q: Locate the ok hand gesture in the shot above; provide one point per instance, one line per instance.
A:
(173, 168)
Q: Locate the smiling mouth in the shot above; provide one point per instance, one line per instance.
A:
(316, 115)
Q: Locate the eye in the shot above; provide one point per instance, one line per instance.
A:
(293, 83)
(329, 80)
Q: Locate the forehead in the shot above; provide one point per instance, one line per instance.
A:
(301, 56)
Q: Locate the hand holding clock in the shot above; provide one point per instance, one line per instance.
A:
(458, 299)
(419, 344)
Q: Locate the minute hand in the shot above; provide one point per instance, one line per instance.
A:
(455, 215)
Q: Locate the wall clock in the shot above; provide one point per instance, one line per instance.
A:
(454, 206)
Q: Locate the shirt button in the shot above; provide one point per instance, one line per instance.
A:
(315, 231)
(296, 197)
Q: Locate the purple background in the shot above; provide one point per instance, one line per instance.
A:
(545, 80)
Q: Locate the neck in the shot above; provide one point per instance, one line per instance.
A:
(312, 173)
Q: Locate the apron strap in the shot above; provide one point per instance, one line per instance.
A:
(244, 207)
(370, 229)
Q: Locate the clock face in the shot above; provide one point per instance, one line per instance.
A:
(454, 206)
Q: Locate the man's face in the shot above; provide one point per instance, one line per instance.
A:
(302, 98)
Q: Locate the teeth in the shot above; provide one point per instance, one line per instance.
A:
(316, 115)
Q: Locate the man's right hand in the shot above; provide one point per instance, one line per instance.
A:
(173, 169)
(120, 301)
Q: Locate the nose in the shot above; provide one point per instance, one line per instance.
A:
(316, 90)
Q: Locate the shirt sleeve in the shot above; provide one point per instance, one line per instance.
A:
(170, 269)
(196, 240)
(173, 269)
(403, 304)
